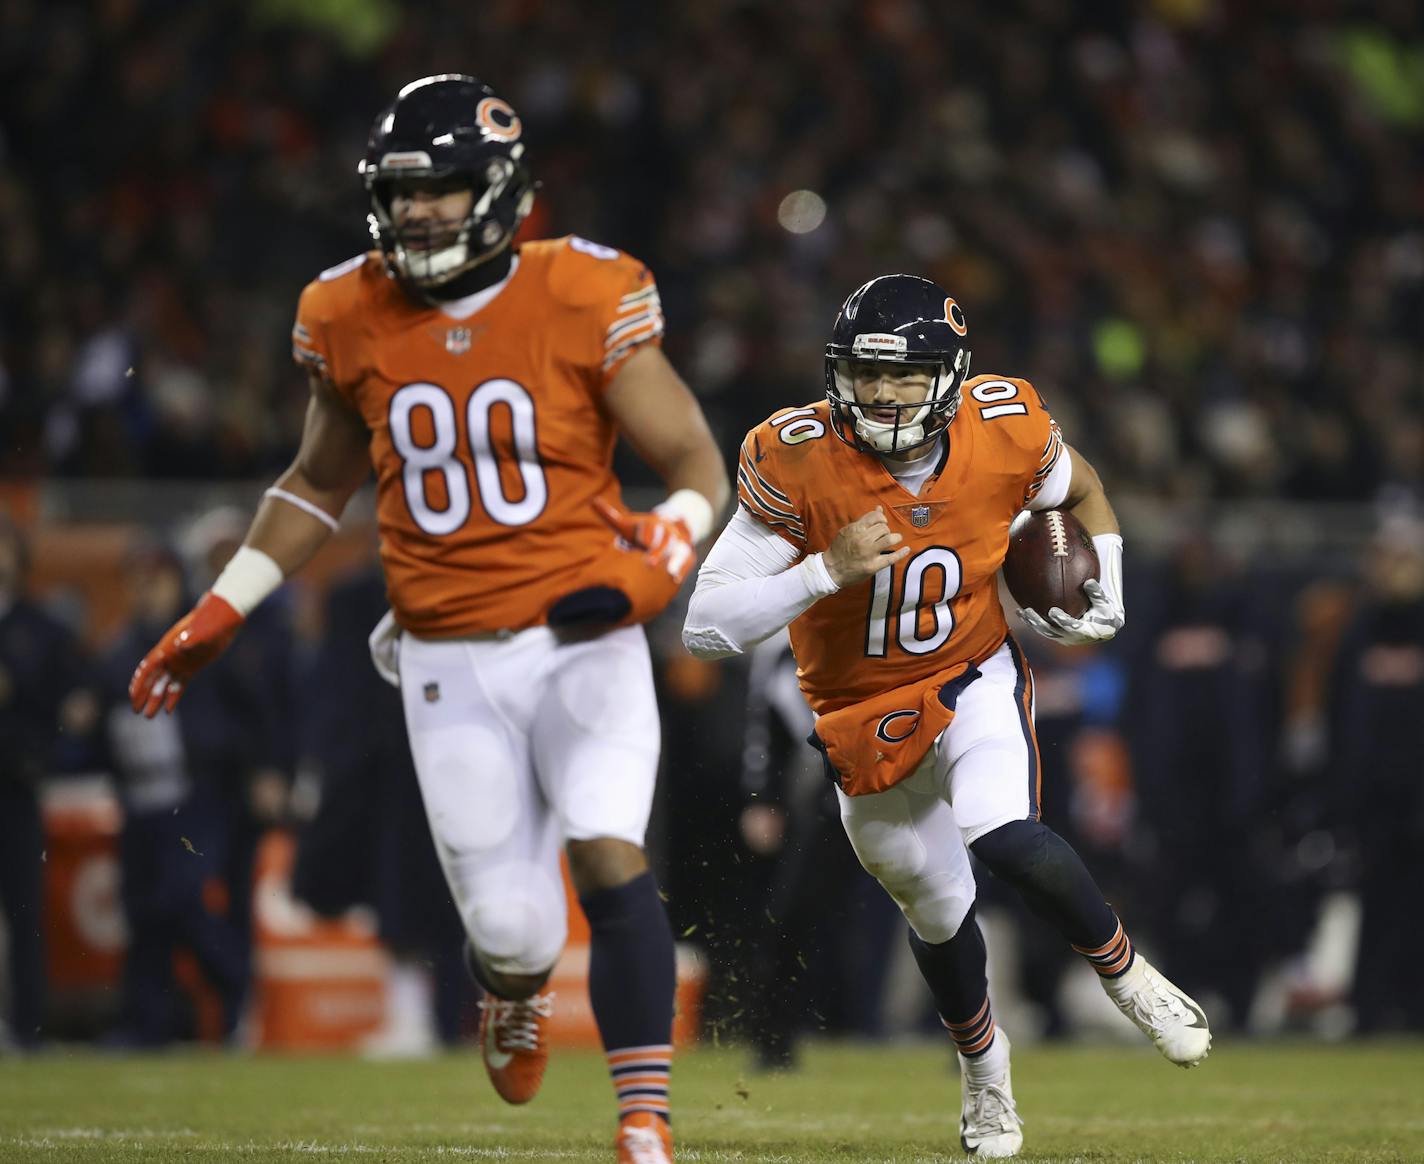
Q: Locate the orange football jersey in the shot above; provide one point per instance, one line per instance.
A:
(488, 434)
(937, 608)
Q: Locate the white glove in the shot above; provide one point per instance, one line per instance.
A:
(384, 642)
(1104, 617)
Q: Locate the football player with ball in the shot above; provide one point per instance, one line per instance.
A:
(874, 523)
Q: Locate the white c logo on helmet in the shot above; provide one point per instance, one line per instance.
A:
(497, 120)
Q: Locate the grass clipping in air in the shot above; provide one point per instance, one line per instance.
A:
(1299, 1103)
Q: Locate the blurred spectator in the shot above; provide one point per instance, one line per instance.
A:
(242, 739)
(803, 949)
(1379, 704)
(197, 789)
(1198, 224)
(43, 693)
(1202, 721)
(172, 840)
(367, 841)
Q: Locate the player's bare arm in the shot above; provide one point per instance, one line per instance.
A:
(331, 463)
(296, 517)
(658, 414)
(863, 548)
(1086, 499)
(656, 411)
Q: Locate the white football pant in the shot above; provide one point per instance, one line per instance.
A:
(520, 744)
(982, 773)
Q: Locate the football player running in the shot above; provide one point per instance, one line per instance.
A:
(874, 523)
(487, 384)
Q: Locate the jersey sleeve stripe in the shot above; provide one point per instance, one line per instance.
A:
(627, 326)
(767, 487)
(1053, 447)
(636, 299)
(616, 354)
(772, 522)
(753, 505)
(1051, 452)
(308, 357)
(761, 502)
(749, 461)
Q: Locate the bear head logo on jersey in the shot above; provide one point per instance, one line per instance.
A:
(446, 134)
(899, 328)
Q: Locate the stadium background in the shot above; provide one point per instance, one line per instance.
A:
(1197, 227)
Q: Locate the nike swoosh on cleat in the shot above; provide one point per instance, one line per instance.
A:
(1198, 1014)
(493, 1055)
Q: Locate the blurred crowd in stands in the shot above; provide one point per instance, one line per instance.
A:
(1197, 226)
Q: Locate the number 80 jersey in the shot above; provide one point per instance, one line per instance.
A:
(939, 606)
(488, 433)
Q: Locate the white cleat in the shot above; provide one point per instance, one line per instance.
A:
(989, 1122)
(1174, 1022)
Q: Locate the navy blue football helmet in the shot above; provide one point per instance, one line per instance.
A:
(448, 131)
(908, 323)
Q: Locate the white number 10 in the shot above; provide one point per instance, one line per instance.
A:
(907, 619)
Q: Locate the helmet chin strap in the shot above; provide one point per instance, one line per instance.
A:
(435, 267)
(432, 271)
(886, 438)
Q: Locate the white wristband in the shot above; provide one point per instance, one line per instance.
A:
(1109, 547)
(694, 509)
(249, 576)
(818, 577)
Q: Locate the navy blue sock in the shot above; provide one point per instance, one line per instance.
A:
(632, 978)
(956, 975)
(1054, 883)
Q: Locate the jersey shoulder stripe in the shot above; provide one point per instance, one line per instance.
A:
(753, 500)
(637, 319)
(1051, 452)
(756, 493)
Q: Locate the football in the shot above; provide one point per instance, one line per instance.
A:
(1050, 557)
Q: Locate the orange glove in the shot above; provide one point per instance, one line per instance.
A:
(637, 583)
(666, 542)
(193, 642)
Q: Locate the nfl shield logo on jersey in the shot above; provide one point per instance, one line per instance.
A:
(432, 693)
(919, 516)
(457, 341)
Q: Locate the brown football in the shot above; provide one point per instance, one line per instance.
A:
(1050, 557)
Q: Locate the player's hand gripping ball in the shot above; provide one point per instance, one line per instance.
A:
(1053, 573)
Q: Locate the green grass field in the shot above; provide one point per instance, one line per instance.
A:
(1296, 1103)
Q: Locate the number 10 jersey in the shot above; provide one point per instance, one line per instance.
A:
(938, 607)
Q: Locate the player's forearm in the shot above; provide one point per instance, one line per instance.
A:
(1087, 500)
(728, 615)
(1096, 514)
(295, 519)
(697, 470)
(702, 468)
(750, 586)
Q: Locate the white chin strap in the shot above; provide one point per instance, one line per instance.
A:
(436, 266)
(886, 438)
(441, 265)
